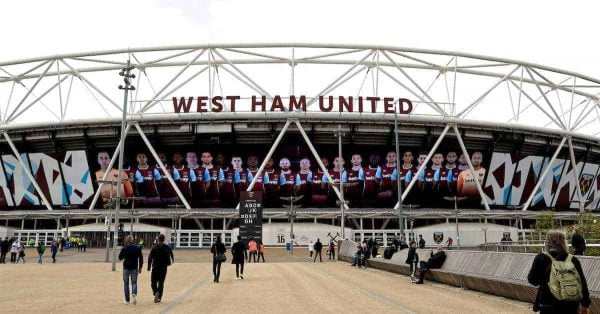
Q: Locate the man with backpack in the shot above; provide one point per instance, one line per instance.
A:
(562, 284)
(159, 259)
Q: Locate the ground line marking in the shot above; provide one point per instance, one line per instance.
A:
(368, 291)
(184, 296)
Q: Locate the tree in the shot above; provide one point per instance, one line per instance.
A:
(544, 223)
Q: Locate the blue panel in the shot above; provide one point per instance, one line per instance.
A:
(85, 177)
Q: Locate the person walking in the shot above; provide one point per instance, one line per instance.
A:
(332, 250)
(14, 249)
(544, 275)
(318, 248)
(84, 244)
(54, 250)
(161, 257)
(218, 250)
(133, 260)
(311, 249)
(261, 251)
(577, 242)
(21, 254)
(421, 242)
(4, 248)
(449, 242)
(412, 259)
(252, 248)
(238, 250)
(41, 248)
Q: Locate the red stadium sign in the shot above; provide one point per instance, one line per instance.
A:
(360, 104)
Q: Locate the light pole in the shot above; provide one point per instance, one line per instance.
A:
(456, 199)
(132, 199)
(399, 189)
(178, 218)
(108, 219)
(291, 216)
(339, 133)
(68, 208)
(127, 76)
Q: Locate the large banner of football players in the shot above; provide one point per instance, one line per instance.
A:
(213, 178)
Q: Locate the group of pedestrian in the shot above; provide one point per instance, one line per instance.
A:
(365, 250)
(315, 250)
(239, 255)
(159, 259)
(17, 250)
(562, 286)
(81, 244)
(256, 251)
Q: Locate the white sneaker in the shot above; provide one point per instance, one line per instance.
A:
(237, 278)
(126, 302)
(242, 276)
(134, 300)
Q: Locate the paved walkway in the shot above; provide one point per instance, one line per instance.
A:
(293, 286)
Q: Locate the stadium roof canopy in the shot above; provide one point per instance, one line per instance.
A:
(80, 89)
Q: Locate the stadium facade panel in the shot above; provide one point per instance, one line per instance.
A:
(502, 134)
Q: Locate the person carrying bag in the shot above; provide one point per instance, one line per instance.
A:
(218, 250)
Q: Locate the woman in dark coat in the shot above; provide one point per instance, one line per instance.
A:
(238, 250)
(218, 248)
(539, 275)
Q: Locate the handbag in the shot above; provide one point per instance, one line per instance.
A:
(221, 257)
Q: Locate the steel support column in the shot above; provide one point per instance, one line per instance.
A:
(162, 166)
(543, 175)
(321, 165)
(471, 168)
(342, 202)
(110, 166)
(422, 167)
(27, 172)
(574, 165)
(269, 154)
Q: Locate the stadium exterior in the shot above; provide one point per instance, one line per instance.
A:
(514, 113)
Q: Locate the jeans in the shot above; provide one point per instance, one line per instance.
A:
(40, 260)
(358, 260)
(423, 268)
(133, 273)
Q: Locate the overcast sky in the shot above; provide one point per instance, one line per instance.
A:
(561, 34)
